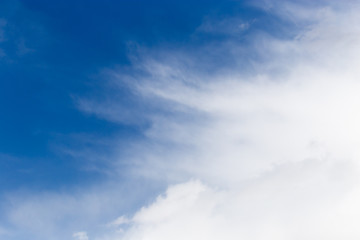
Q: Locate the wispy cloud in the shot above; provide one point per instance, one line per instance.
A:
(61, 215)
(276, 147)
(22, 49)
(3, 23)
(80, 236)
(252, 120)
(226, 26)
(263, 147)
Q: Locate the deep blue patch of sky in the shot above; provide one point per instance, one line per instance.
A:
(53, 50)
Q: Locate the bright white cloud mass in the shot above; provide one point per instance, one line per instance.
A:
(267, 147)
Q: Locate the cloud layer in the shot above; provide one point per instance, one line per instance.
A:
(256, 138)
(275, 147)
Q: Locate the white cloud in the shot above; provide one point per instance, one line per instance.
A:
(276, 150)
(273, 145)
(80, 236)
(120, 221)
(297, 201)
(300, 104)
(49, 215)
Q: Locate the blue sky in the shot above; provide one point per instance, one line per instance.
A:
(68, 45)
(158, 120)
(54, 52)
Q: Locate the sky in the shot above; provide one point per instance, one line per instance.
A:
(157, 120)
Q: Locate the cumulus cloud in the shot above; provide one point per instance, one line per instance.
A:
(264, 147)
